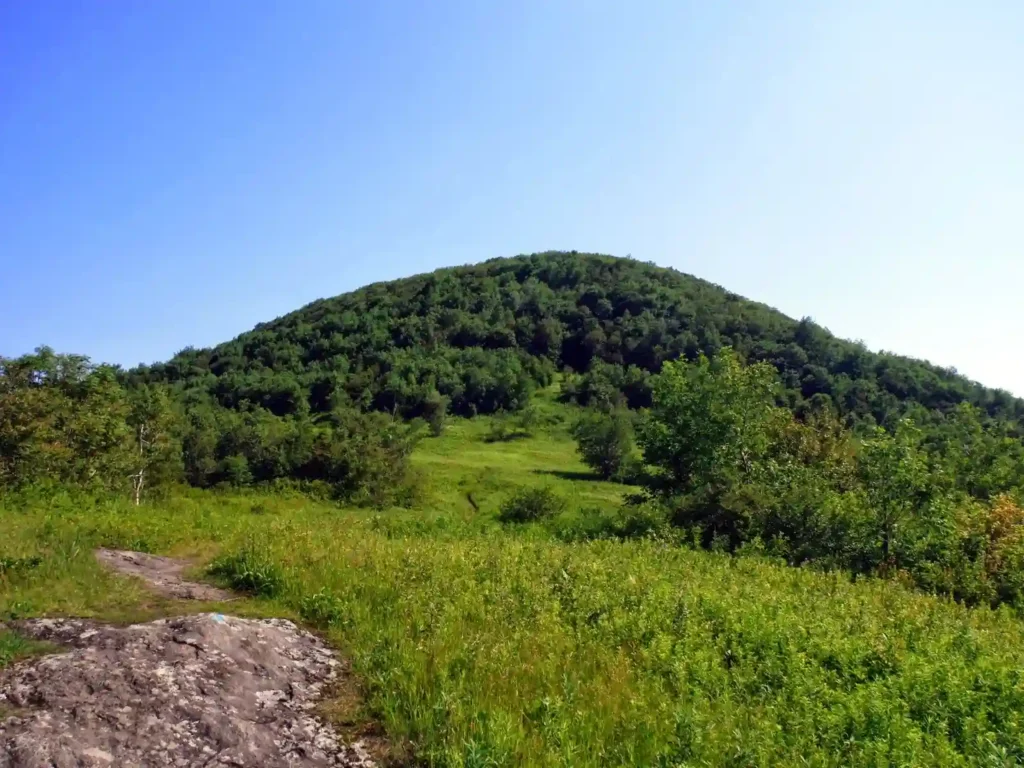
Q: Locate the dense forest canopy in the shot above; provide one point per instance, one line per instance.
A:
(485, 335)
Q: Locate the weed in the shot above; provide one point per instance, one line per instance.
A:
(14, 647)
(250, 571)
(321, 609)
(19, 609)
(10, 566)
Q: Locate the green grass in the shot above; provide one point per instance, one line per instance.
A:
(486, 645)
(462, 462)
(14, 647)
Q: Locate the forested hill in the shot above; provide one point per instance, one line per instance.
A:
(485, 335)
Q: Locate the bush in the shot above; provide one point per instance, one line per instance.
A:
(527, 419)
(530, 504)
(365, 457)
(631, 521)
(15, 565)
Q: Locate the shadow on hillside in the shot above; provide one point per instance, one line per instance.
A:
(512, 436)
(587, 476)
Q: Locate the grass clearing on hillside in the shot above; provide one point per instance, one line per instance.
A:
(486, 645)
(461, 463)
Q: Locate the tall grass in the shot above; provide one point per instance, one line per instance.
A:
(488, 645)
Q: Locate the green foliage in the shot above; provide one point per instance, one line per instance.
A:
(630, 521)
(251, 570)
(236, 470)
(487, 336)
(360, 456)
(605, 442)
(157, 452)
(13, 647)
(711, 440)
(734, 470)
(471, 641)
(62, 421)
(526, 419)
(506, 426)
(712, 425)
(11, 566)
(894, 473)
(500, 428)
(529, 505)
(322, 609)
(488, 644)
(365, 457)
(435, 410)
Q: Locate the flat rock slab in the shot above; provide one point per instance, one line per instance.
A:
(163, 574)
(202, 690)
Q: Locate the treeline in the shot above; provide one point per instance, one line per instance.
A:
(935, 503)
(65, 421)
(485, 336)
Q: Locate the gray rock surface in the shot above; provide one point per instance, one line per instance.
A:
(162, 574)
(202, 690)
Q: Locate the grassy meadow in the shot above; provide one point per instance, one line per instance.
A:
(480, 644)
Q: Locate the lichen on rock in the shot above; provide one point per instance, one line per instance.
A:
(201, 690)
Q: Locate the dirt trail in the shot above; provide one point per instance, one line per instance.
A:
(163, 574)
(201, 690)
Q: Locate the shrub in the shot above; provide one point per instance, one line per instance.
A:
(365, 458)
(527, 419)
(14, 647)
(630, 521)
(531, 504)
(235, 470)
(499, 429)
(515, 425)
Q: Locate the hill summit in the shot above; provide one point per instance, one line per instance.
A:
(485, 335)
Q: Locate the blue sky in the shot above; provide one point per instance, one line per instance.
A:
(173, 173)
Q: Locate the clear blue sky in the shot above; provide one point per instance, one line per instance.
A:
(172, 173)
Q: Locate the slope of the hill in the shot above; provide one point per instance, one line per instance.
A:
(487, 644)
(485, 335)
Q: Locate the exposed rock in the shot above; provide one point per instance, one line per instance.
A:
(201, 690)
(163, 574)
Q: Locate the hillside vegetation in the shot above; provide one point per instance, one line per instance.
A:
(482, 644)
(484, 336)
(550, 507)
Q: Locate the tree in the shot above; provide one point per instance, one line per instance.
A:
(62, 420)
(435, 410)
(894, 475)
(604, 441)
(157, 456)
(709, 440)
(485, 335)
(712, 424)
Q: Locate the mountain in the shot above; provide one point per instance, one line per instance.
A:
(485, 335)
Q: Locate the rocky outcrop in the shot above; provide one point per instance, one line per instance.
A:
(201, 690)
